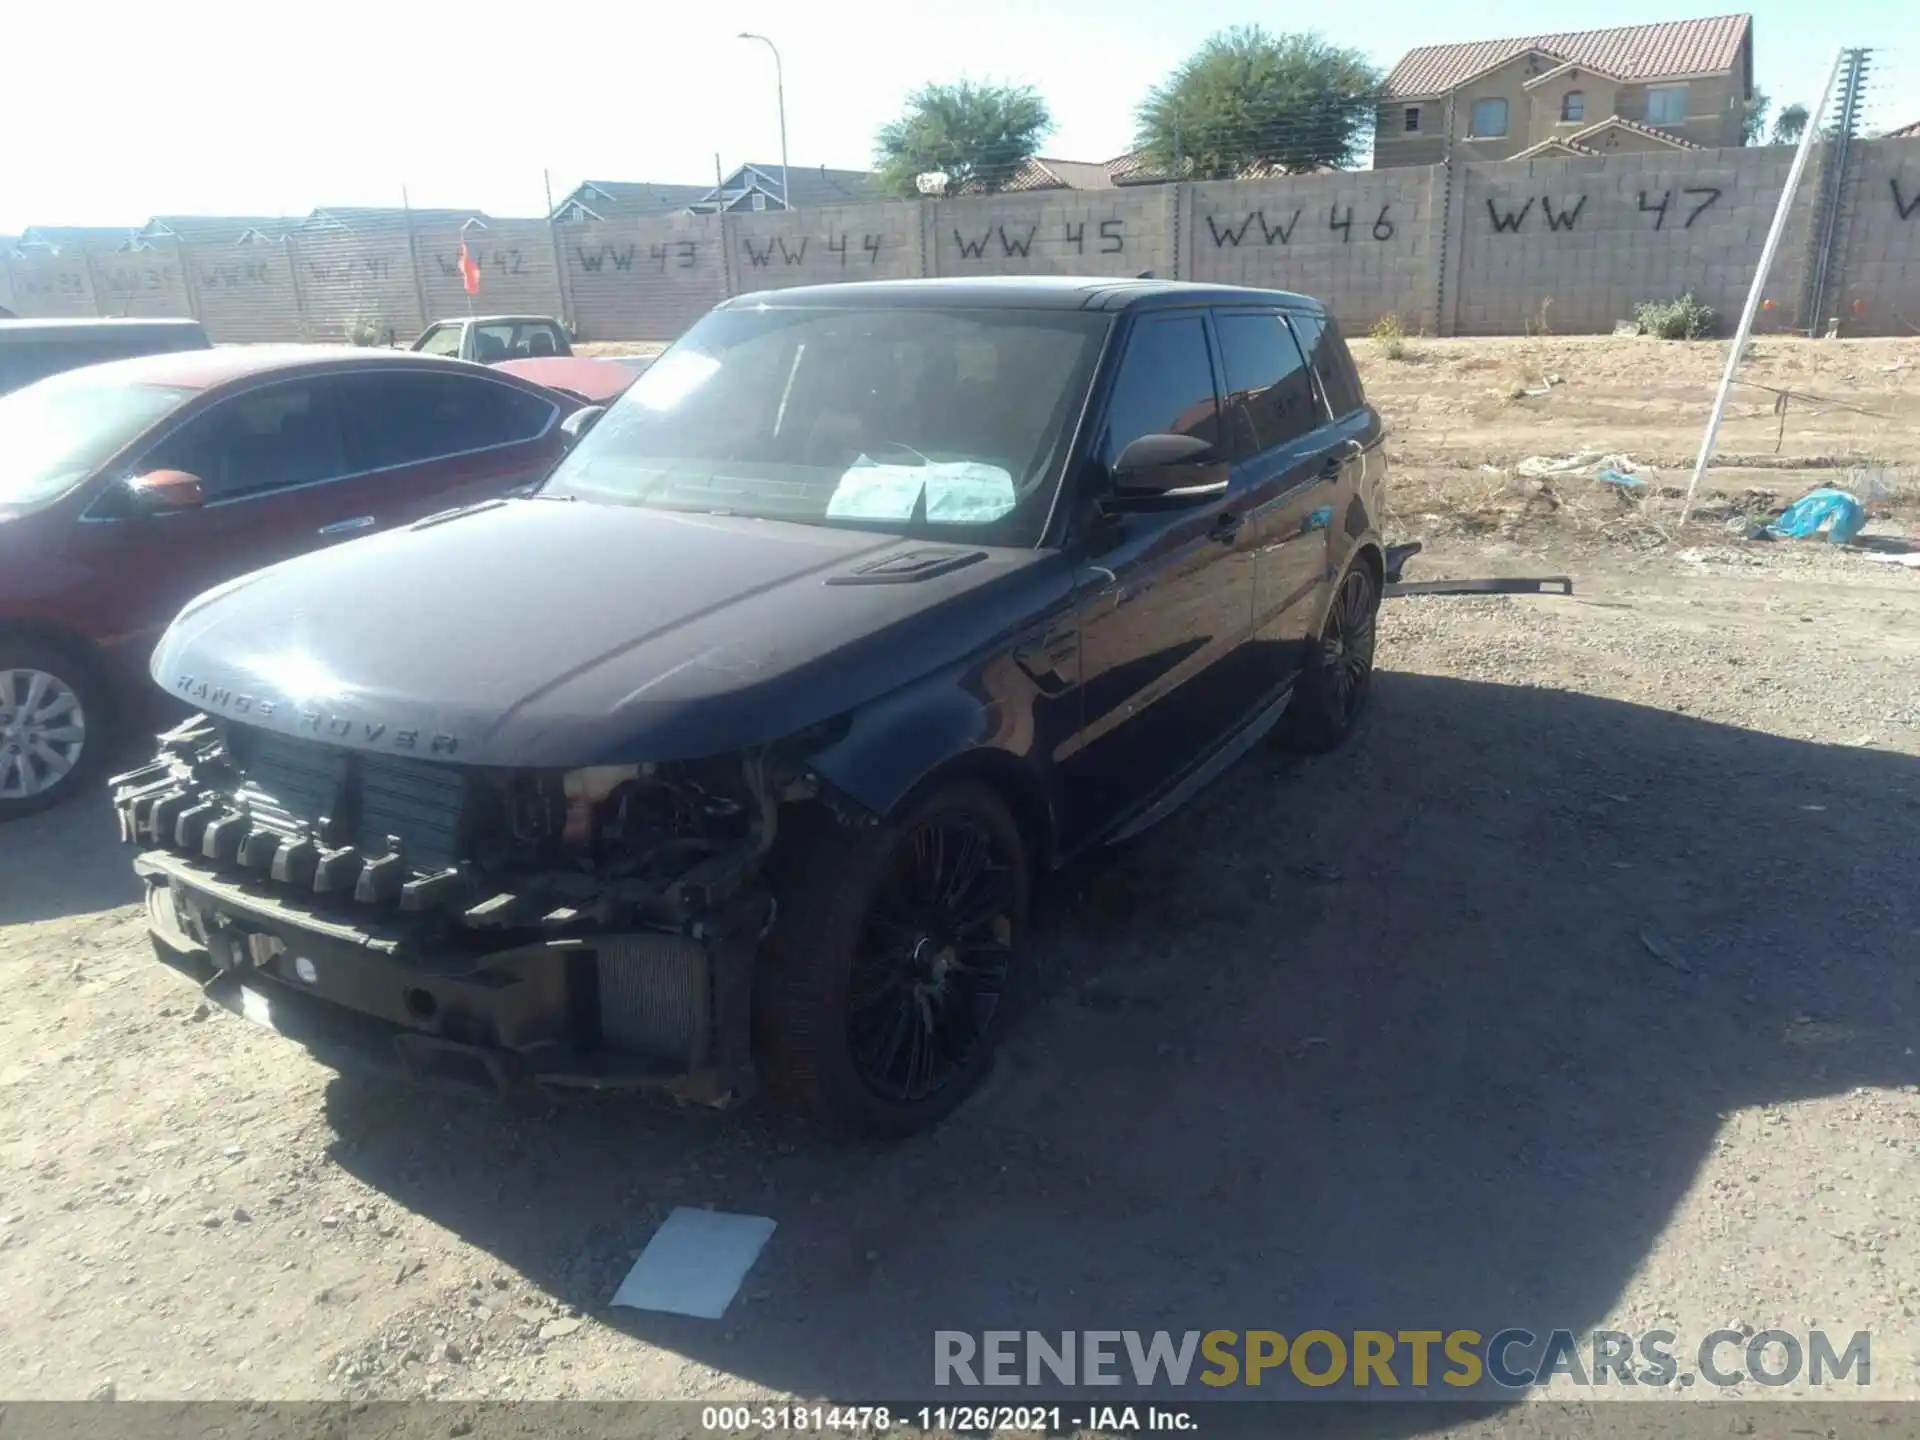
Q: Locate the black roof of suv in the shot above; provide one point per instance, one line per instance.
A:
(1041, 292)
(34, 349)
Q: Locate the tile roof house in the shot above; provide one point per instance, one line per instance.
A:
(1905, 132)
(749, 188)
(213, 229)
(1683, 84)
(760, 187)
(381, 217)
(1043, 173)
(58, 239)
(626, 200)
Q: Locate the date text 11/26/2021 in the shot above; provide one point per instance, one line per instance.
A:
(965, 1419)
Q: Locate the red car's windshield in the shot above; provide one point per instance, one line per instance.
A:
(55, 432)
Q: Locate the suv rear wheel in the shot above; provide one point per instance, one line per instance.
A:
(1332, 690)
(895, 960)
(53, 722)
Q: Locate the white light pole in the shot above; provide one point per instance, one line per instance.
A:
(1745, 328)
(780, 94)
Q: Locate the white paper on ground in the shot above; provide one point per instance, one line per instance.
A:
(1908, 558)
(964, 492)
(695, 1262)
(256, 1007)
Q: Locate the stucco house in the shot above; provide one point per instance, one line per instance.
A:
(1683, 84)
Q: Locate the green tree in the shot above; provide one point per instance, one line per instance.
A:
(977, 135)
(1753, 120)
(1789, 125)
(1248, 98)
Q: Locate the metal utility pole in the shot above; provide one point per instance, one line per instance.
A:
(1754, 292)
(780, 94)
(1848, 105)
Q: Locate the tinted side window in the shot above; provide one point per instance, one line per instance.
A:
(1332, 362)
(1267, 379)
(407, 419)
(1165, 385)
(264, 439)
(537, 339)
(493, 343)
(441, 340)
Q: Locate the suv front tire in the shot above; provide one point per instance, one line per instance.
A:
(896, 957)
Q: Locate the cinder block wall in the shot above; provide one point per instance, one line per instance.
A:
(1360, 241)
(51, 285)
(641, 280)
(149, 282)
(1585, 240)
(1878, 266)
(823, 247)
(245, 293)
(1470, 248)
(517, 275)
(1062, 232)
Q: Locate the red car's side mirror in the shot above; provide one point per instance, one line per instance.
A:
(168, 490)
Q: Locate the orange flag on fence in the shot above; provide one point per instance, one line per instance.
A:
(469, 270)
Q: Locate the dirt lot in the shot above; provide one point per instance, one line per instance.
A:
(1580, 990)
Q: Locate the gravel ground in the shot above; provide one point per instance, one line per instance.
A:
(1578, 991)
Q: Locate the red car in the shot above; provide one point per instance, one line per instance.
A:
(128, 488)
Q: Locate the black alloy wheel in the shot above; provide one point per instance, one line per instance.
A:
(895, 960)
(932, 959)
(1333, 688)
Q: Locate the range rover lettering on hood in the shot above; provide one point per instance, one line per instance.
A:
(369, 734)
(565, 635)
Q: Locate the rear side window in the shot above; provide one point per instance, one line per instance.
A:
(536, 339)
(1165, 385)
(441, 340)
(1269, 391)
(493, 343)
(1326, 347)
(264, 439)
(406, 419)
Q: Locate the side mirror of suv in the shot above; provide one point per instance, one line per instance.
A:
(1160, 470)
(578, 423)
(161, 490)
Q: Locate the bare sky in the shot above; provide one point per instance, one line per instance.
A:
(219, 107)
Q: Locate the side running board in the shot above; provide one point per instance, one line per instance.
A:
(1533, 585)
(1398, 555)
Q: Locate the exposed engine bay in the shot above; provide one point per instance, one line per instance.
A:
(463, 847)
(588, 927)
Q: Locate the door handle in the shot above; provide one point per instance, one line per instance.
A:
(1330, 466)
(1226, 528)
(341, 527)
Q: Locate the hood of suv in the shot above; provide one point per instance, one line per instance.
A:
(542, 632)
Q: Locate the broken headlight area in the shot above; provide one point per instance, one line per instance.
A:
(477, 848)
(594, 926)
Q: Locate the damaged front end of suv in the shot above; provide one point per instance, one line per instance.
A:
(594, 927)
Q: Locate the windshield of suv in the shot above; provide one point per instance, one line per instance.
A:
(922, 422)
(56, 432)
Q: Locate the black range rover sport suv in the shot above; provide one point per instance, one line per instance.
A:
(729, 755)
